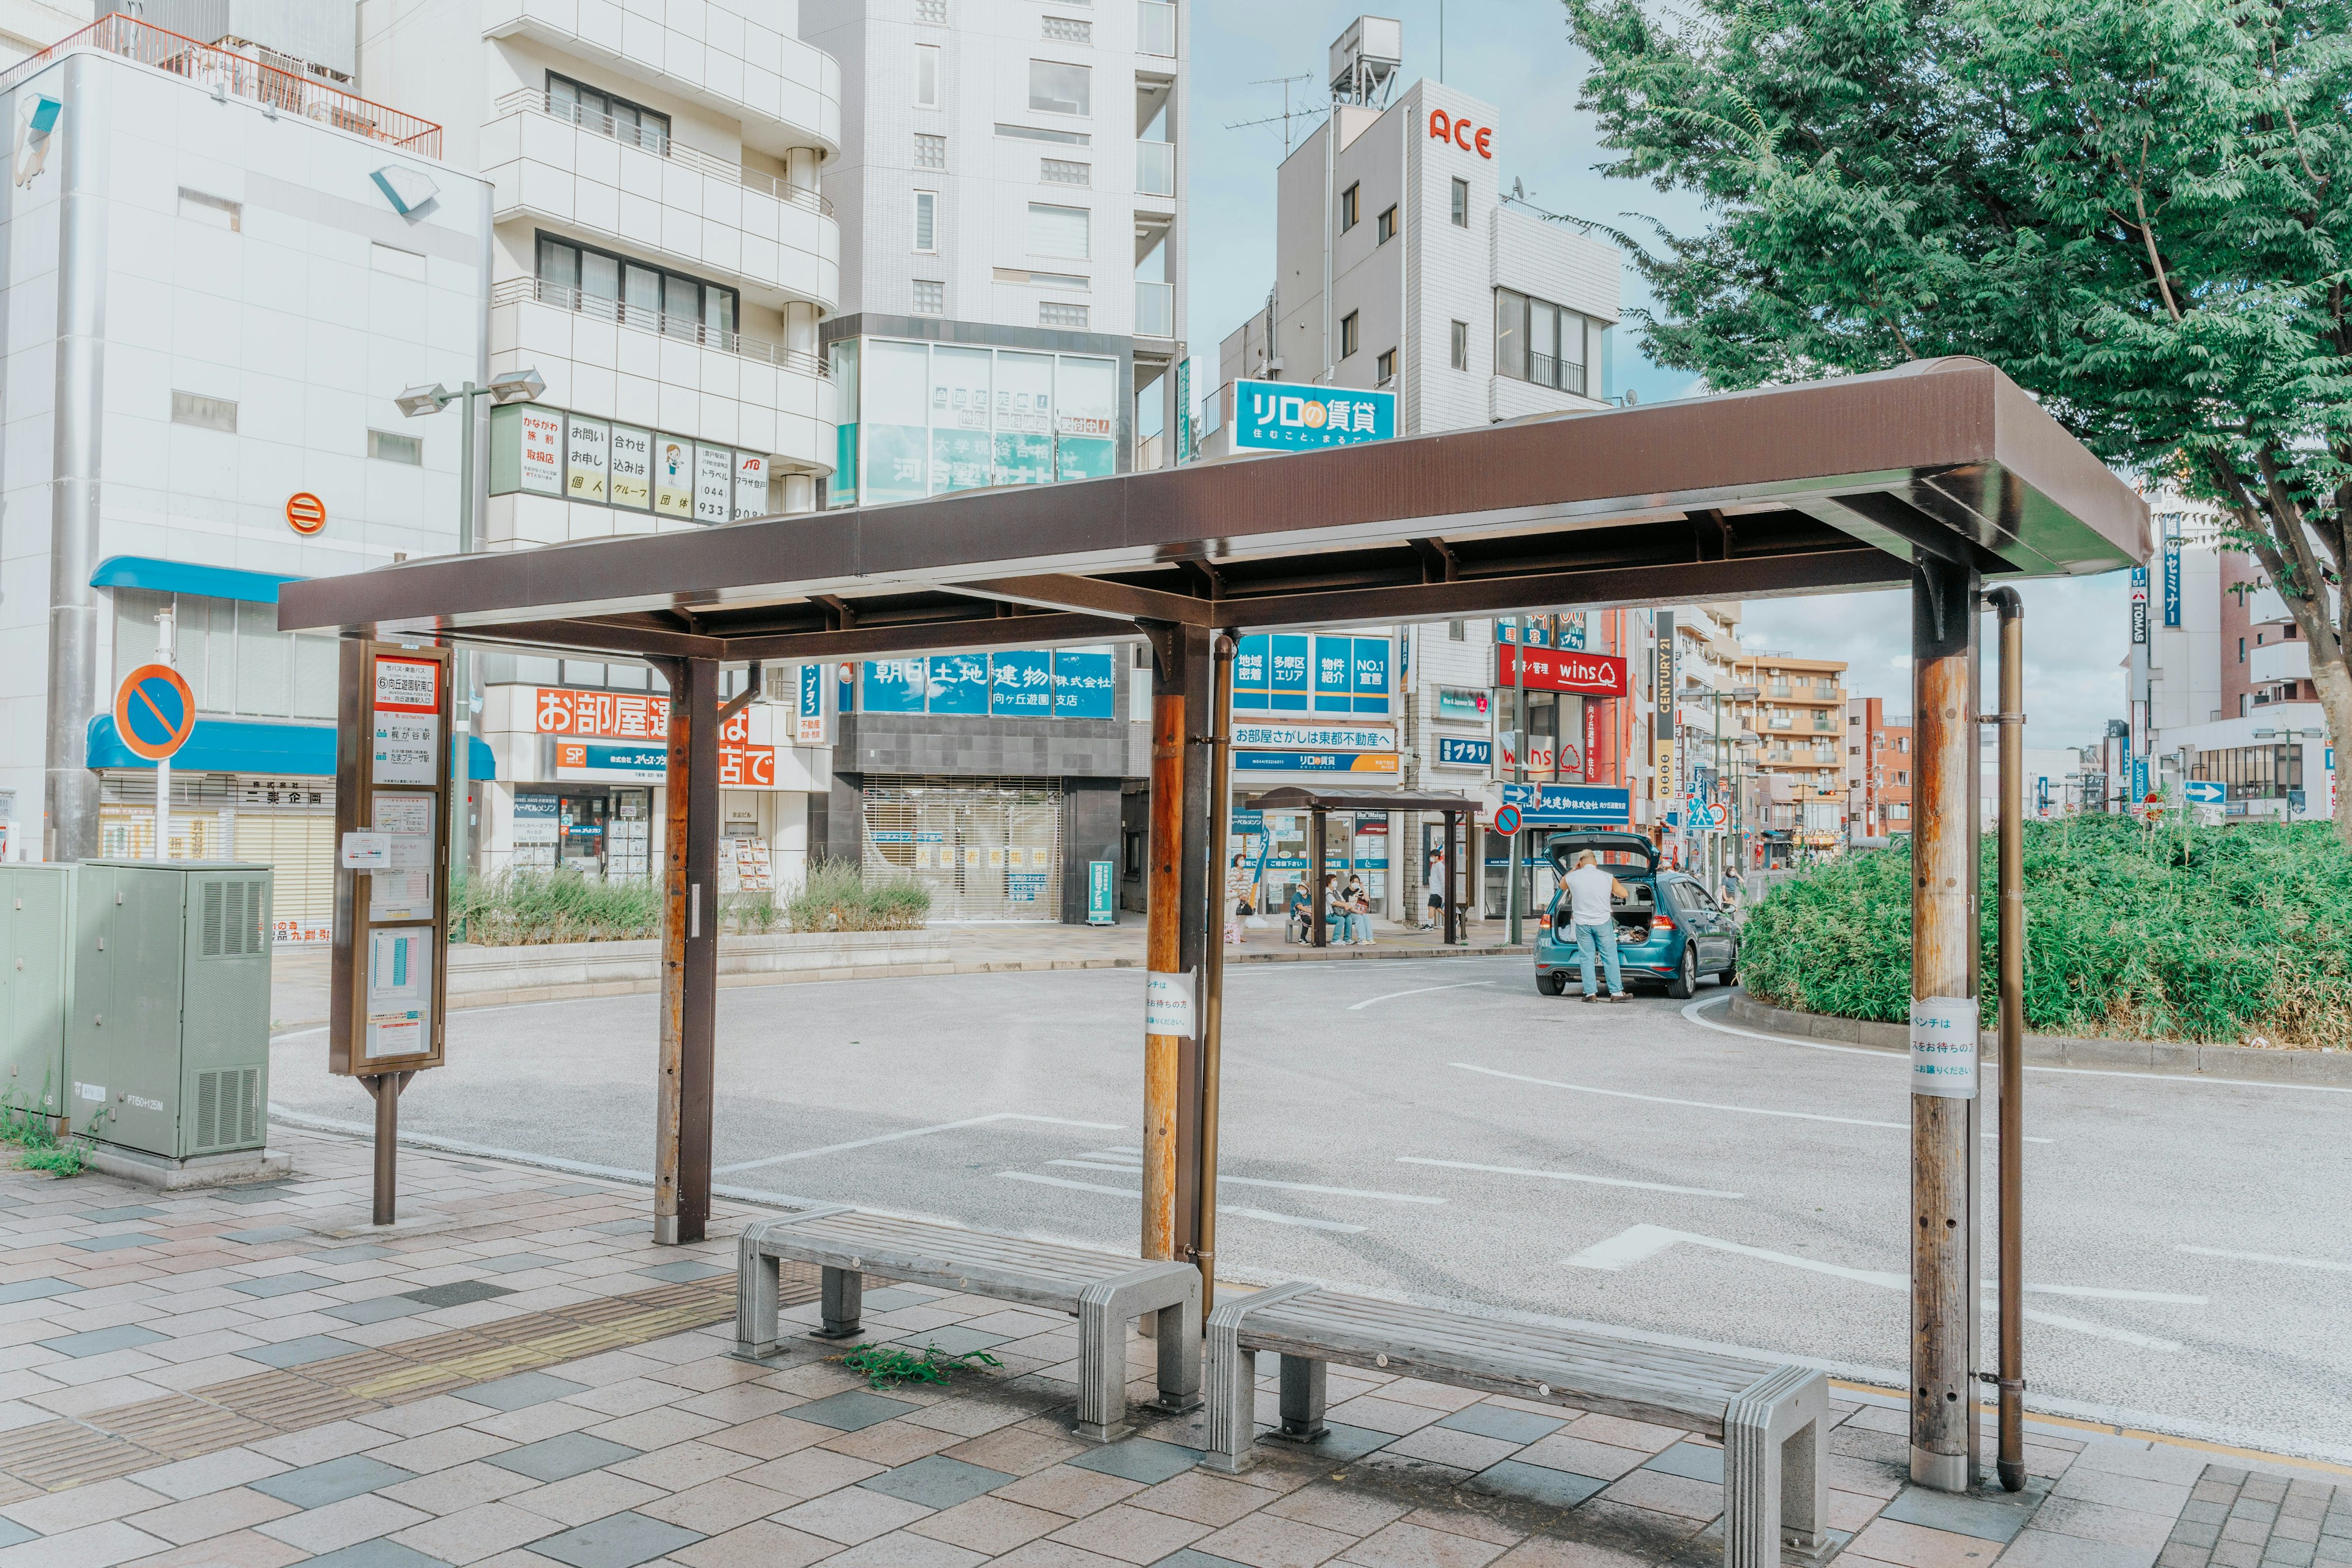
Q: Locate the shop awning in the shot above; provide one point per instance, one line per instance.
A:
(188, 577)
(1294, 798)
(254, 746)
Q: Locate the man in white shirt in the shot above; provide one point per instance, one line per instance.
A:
(1594, 922)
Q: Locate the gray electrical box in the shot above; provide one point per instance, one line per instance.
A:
(167, 1046)
(35, 977)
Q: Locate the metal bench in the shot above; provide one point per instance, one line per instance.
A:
(1773, 1420)
(1103, 1291)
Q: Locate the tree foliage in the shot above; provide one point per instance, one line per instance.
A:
(2138, 209)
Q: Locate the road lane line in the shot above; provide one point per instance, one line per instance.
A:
(1417, 991)
(1697, 1104)
(1222, 1208)
(1690, 1011)
(1225, 1181)
(2265, 1258)
(909, 1132)
(1567, 1176)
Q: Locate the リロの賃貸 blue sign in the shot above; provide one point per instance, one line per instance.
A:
(1283, 417)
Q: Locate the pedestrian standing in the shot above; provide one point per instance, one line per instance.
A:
(1358, 905)
(1436, 891)
(1593, 920)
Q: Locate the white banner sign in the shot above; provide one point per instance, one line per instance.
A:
(1944, 1046)
(1168, 1005)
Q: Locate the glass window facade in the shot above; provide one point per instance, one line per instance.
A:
(925, 419)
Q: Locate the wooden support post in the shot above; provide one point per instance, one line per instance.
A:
(1944, 1127)
(1452, 880)
(1320, 935)
(1175, 901)
(690, 991)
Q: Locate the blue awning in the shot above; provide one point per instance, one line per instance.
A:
(187, 577)
(254, 746)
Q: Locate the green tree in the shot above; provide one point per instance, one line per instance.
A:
(2137, 208)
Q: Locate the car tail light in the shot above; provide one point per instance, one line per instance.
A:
(1660, 923)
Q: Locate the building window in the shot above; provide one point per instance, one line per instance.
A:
(1902, 778)
(2242, 650)
(388, 448)
(927, 221)
(1461, 203)
(599, 282)
(1461, 345)
(1069, 30)
(1063, 232)
(1348, 335)
(1456, 631)
(930, 152)
(1061, 172)
(1387, 363)
(927, 76)
(930, 297)
(935, 12)
(1537, 342)
(1051, 314)
(204, 412)
(1059, 88)
(1385, 228)
(1347, 203)
(595, 109)
(214, 212)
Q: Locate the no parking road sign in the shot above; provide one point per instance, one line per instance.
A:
(154, 711)
(1507, 819)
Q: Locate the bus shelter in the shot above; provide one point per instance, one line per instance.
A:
(1941, 477)
(1320, 803)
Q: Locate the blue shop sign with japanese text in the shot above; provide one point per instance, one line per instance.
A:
(1283, 417)
(1549, 806)
(1453, 752)
(959, 683)
(1021, 684)
(1082, 684)
(2172, 582)
(1287, 673)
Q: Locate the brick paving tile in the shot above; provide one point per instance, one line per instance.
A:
(579, 1498)
(476, 1532)
(1130, 1534)
(893, 1443)
(1408, 1545)
(761, 1544)
(458, 1487)
(343, 1523)
(242, 1548)
(810, 1473)
(771, 1436)
(216, 1513)
(1916, 1546)
(1265, 1540)
(851, 1515)
(991, 1525)
(1067, 1489)
(100, 1545)
(1203, 1498)
(904, 1550)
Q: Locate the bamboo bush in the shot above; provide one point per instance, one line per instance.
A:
(521, 909)
(2235, 935)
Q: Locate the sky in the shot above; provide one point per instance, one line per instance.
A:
(1516, 54)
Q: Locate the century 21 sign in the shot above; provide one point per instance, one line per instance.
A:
(1470, 138)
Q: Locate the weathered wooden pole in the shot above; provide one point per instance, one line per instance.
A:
(1944, 1106)
(1175, 886)
(690, 975)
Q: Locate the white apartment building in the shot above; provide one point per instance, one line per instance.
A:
(661, 252)
(218, 267)
(28, 26)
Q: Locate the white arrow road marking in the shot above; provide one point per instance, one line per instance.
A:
(1418, 991)
(1222, 1208)
(1697, 1104)
(2265, 1258)
(909, 1132)
(1225, 1181)
(1639, 1243)
(1566, 1176)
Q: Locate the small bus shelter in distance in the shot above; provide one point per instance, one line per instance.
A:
(1319, 802)
(1938, 476)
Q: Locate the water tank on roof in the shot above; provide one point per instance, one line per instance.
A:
(1364, 60)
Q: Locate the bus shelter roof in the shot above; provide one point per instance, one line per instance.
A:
(1821, 487)
(1294, 798)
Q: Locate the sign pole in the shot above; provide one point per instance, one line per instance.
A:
(164, 650)
(1518, 763)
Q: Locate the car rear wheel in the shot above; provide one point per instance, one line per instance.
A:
(1686, 980)
(1730, 975)
(1552, 985)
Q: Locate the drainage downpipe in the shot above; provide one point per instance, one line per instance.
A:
(2011, 961)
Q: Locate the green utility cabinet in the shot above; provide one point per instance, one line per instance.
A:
(167, 1043)
(35, 977)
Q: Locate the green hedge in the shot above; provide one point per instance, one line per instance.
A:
(2232, 935)
(520, 909)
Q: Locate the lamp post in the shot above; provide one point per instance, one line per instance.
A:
(508, 386)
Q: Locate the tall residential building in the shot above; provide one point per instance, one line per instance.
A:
(1799, 716)
(1012, 312)
(219, 265)
(661, 253)
(28, 26)
(1877, 770)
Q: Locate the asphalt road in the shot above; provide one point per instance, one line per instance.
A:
(1438, 1129)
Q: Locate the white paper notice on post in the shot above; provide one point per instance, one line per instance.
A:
(1168, 1005)
(1944, 1046)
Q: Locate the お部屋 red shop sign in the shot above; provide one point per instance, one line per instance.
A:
(1563, 669)
(1463, 133)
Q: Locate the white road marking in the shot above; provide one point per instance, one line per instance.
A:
(2265, 1258)
(1690, 1011)
(1697, 1104)
(1222, 1208)
(1568, 1176)
(1225, 1181)
(909, 1132)
(1417, 991)
(1641, 1242)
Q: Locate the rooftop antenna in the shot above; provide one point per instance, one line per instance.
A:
(1287, 114)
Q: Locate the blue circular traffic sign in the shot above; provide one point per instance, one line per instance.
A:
(1507, 819)
(154, 711)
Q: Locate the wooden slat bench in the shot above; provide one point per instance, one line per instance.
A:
(1773, 1420)
(1105, 1292)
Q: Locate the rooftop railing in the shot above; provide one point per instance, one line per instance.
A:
(661, 144)
(228, 74)
(646, 319)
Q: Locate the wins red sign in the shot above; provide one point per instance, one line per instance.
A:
(1562, 670)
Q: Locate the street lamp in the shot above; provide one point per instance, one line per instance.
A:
(507, 386)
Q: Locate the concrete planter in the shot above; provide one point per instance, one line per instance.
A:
(479, 976)
(2058, 1051)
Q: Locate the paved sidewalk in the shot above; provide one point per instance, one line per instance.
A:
(515, 1378)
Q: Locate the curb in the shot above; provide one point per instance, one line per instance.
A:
(2330, 1068)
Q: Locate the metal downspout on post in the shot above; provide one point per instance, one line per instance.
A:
(2010, 1425)
(1213, 963)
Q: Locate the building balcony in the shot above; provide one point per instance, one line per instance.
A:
(2279, 662)
(652, 197)
(721, 53)
(1155, 169)
(605, 360)
(1155, 309)
(1155, 28)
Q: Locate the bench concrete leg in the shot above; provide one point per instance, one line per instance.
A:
(755, 1294)
(1233, 1393)
(1303, 1383)
(843, 1304)
(1178, 1337)
(1775, 1463)
(1102, 1366)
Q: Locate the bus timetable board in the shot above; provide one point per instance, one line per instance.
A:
(392, 778)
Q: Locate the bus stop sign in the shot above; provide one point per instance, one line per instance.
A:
(154, 711)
